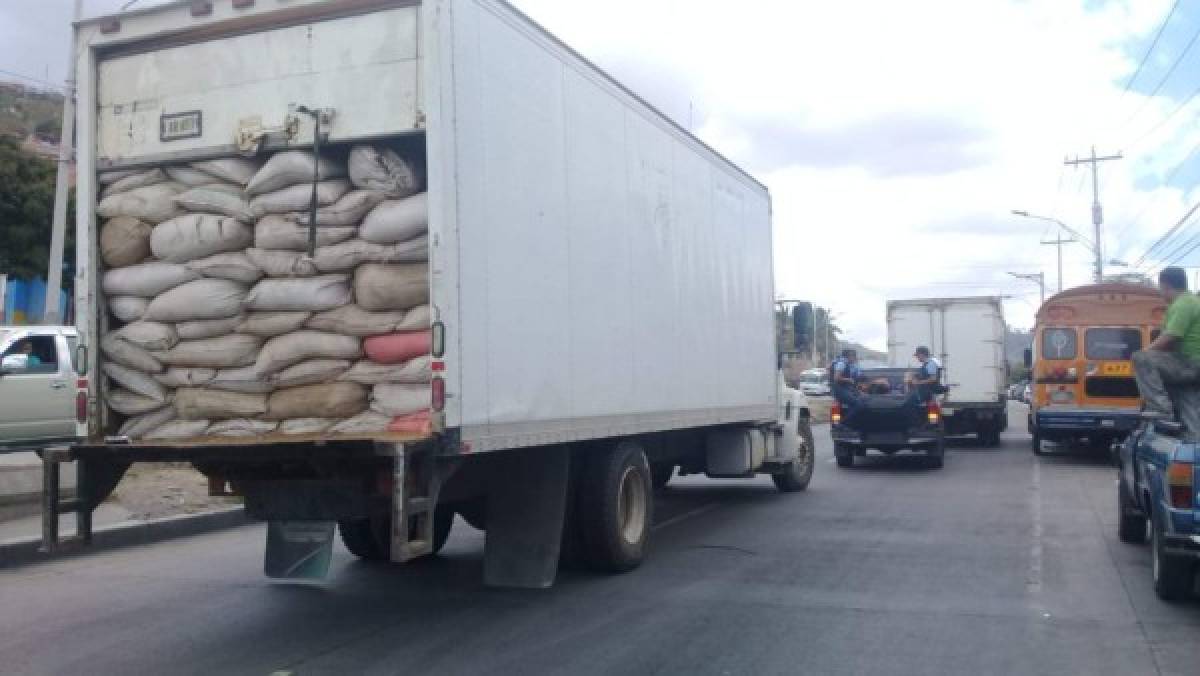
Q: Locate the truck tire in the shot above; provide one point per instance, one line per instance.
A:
(798, 474)
(1037, 442)
(660, 475)
(370, 538)
(1131, 525)
(614, 508)
(1173, 575)
(843, 454)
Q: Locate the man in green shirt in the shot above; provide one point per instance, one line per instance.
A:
(1172, 359)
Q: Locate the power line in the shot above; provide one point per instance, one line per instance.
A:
(1167, 76)
(1158, 125)
(1150, 49)
(1172, 231)
(31, 79)
(1154, 200)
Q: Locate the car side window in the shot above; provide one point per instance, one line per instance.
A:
(32, 354)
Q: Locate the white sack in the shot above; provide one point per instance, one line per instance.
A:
(179, 429)
(367, 372)
(128, 308)
(241, 427)
(179, 376)
(140, 179)
(126, 402)
(193, 236)
(352, 320)
(298, 197)
(110, 177)
(397, 220)
(368, 422)
(219, 353)
(418, 318)
(280, 263)
(270, 324)
(391, 287)
(311, 372)
(277, 232)
(191, 177)
(153, 203)
(305, 425)
(311, 294)
(289, 168)
(395, 399)
(332, 400)
(199, 403)
(234, 266)
(233, 169)
(350, 254)
(127, 354)
(241, 379)
(216, 201)
(207, 328)
(150, 335)
(281, 352)
(146, 279)
(138, 426)
(124, 241)
(135, 381)
(200, 299)
(382, 169)
(347, 210)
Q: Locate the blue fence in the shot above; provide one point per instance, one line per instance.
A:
(25, 302)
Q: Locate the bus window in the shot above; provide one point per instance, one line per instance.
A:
(1109, 343)
(1058, 344)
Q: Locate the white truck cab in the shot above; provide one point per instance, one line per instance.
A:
(38, 386)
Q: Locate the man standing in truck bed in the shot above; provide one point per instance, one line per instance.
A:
(1173, 358)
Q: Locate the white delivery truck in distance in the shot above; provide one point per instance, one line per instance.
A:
(583, 306)
(967, 336)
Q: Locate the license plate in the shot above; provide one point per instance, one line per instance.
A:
(1117, 369)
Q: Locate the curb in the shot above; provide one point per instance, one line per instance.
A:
(25, 550)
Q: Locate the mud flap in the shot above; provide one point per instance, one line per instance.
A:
(298, 550)
(526, 503)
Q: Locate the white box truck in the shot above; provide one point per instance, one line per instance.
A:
(599, 288)
(967, 336)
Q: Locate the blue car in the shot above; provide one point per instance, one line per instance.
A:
(1156, 496)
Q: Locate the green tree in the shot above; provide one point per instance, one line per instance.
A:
(26, 208)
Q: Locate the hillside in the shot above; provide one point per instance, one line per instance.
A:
(26, 111)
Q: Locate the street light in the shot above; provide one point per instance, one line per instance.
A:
(1039, 279)
(1094, 247)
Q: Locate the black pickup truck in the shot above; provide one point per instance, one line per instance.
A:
(888, 421)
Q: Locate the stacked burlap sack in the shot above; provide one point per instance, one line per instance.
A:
(222, 325)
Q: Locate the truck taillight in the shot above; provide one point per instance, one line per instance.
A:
(81, 400)
(1179, 484)
(439, 393)
(835, 413)
(933, 412)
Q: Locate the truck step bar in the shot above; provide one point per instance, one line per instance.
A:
(94, 482)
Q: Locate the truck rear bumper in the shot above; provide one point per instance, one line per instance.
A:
(914, 437)
(1183, 545)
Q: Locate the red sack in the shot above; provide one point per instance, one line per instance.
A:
(413, 423)
(394, 348)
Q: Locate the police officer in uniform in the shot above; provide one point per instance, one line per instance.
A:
(844, 375)
(925, 382)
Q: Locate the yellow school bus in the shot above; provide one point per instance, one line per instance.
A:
(1082, 369)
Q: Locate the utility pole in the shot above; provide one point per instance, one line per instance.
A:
(1097, 212)
(1039, 279)
(66, 156)
(1058, 242)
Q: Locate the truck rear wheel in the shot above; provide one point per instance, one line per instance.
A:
(843, 454)
(798, 474)
(614, 508)
(1131, 525)
(1173, 575)
(370, 539)
(935, 456)
(1037, 442)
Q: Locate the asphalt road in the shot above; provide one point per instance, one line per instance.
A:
(1000, 563)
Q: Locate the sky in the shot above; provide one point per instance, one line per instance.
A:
(896, 138)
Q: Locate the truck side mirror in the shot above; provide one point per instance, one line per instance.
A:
(1028, 357)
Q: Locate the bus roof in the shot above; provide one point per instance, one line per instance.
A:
(1109, 303)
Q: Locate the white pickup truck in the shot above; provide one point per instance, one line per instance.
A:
(39, 398)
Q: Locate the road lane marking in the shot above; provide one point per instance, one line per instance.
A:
(686, 515)
(1033, 576)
